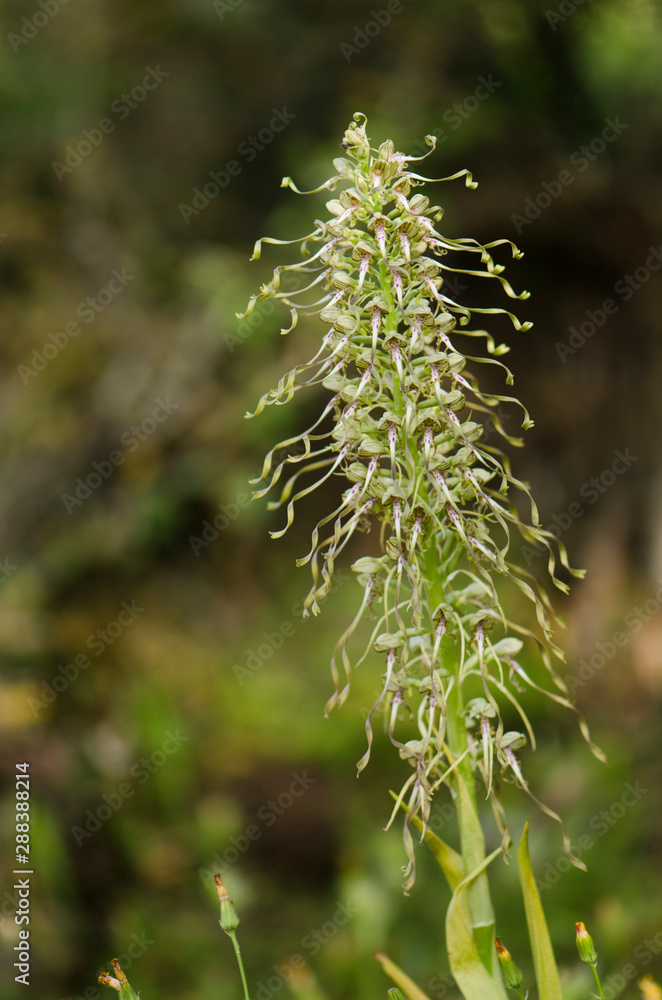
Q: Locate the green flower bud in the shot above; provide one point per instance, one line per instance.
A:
(346, 323)
(394, 994)
(384, 642)
(585, 945)
(516, 741)
(229, 919)
(511, 973)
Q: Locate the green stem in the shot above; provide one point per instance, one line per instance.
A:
(471, 836)
(594, 970)
(472, 842)
(233, 937)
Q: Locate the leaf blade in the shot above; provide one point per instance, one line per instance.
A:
(469, 972)
(544, 963)
(400, 978)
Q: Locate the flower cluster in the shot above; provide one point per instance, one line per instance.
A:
(404, 425)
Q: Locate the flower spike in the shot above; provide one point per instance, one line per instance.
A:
(408, 436)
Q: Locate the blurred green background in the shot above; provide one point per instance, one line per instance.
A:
(157, 371)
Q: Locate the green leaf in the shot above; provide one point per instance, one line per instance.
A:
(400, 978)
(547, 976)
(473, 850)
(449, 860)
(470, 974)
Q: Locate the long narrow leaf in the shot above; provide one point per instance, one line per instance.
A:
(547, 976)
(470, 974)
(449, 860)
(473, 848)
(400, 978)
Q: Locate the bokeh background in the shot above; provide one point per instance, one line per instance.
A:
(177, 704)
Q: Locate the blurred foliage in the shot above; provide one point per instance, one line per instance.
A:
(170, 334)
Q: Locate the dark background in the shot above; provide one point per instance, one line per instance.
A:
(171, 335)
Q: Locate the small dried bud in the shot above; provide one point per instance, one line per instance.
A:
(511, 973)
(120, 983)
(585, 945)
(107, 980)
(229, 919)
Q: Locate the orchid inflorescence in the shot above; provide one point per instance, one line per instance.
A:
(406, 421)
